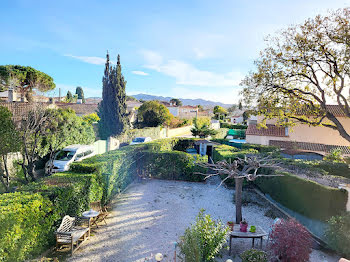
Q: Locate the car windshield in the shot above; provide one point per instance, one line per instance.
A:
(139, 139)
(64, 155)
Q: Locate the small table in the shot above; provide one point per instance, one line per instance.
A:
(90, 214)
(236, 233)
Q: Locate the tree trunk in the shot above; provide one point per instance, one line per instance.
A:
(238, 198)
(4, 159)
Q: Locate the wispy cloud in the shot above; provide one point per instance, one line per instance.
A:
(140, 73)
(89, 59)
(187, 74)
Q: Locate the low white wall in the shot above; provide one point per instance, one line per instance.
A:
(174, 132)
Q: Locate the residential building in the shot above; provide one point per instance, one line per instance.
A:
(301, 137)
(187, 112)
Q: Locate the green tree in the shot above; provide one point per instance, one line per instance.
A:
(69, 97)
(240, 106)
(131, 98)
(91, 118)
(112, 109)
(176, 101)
(63, 128)
(152, 114)
(200, 108)
(80, 94)
(219, 112)
(25, 78)
(9, 142)
(303, 69)
(202, 128)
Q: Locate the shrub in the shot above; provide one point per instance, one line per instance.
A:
(203, 240)
(25, 225)
(290, 241)
(337, 234)
(254, 255)
(304, 196)
(228, 152)
(336, 155)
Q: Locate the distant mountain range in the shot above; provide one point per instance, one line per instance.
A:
(185, 102)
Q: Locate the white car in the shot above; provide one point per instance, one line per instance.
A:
(68, 155)
(140, 140)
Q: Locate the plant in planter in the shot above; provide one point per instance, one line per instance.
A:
(230, 224)
(254, 255)
(243, 226)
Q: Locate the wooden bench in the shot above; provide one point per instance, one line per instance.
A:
(72, 232)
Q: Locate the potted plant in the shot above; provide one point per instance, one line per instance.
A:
(243, 226)
(252, 229)
(230, 225)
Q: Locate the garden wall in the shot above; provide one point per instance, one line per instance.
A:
(29, 217)
(174, 132)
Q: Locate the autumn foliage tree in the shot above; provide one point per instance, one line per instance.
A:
(304, 70)
(290, 241)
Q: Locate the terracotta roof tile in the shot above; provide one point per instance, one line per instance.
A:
(308, 146)
(80, 109)
(271, 130)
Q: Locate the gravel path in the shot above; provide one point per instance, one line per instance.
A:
(152, 215)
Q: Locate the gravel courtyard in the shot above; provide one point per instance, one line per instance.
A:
(151, 216)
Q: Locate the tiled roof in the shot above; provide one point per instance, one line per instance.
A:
(336, 110)
(20, 109)
(80, 109)
(271, 130)
(309, 146)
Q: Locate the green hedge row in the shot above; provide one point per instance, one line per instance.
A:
(28, 218)
(233, 126)
(304, 196)
(322, 167)
(25, 225)
(228, 152)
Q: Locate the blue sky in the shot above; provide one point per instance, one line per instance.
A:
(182, 48)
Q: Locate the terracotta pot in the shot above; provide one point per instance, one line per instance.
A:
(243, 227)
(230, 225)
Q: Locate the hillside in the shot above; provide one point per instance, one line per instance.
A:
(185, 101)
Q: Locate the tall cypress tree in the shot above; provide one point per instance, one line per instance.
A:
(112, 109)
(80, 93)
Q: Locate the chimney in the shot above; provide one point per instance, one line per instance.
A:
(11, 97)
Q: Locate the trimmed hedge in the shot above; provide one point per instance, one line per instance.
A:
(233, 126)
(29, 217)
(25, 225)
(304, 196)
(221, 133)
(228, 152)
(182, 166)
